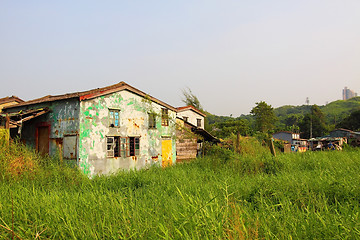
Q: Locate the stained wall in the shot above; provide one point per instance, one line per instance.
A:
(134, 122)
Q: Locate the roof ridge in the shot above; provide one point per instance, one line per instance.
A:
(83, 95)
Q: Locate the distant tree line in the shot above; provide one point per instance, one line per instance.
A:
(308, 120)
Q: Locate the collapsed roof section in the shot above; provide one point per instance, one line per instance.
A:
(13, 120)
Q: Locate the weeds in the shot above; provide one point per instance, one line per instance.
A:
(229, 196)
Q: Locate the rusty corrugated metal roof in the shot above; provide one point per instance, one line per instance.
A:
(92, 94)
(11, 99)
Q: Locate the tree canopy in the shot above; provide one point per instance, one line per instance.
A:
(352, 122)
(313, 123)
(190, 99)
(264, 117)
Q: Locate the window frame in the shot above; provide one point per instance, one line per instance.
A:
(198, 122)
(132, 146)
(164, 117)
(117, 146)
(152, 120)
(114, 115)
(114, 145)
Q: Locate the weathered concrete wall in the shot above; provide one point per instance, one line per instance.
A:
(134, 119)
(192, 117)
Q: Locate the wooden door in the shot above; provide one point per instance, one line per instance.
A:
(43, 139)
(166, 150)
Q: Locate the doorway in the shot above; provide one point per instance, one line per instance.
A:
(42, 139)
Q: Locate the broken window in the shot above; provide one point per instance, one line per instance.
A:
(114, 118)
(133, 146)
(152, 120)
(110, 147)
(198, 122)
(113, 147)
(164, 117)
(122, 146)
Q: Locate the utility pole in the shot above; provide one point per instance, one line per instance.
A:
(307, 102)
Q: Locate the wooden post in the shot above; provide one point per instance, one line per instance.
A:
(7, 123)
(272, 148)
(237, 143)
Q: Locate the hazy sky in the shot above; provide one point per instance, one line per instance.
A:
(231, 54)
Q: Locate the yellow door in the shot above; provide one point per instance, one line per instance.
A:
(166, 150)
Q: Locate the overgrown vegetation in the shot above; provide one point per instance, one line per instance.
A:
(337, 114)
(225, 195)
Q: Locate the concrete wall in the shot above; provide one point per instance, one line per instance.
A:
(134, 118)
(192, 116)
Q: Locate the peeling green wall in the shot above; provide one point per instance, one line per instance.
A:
(134, 109)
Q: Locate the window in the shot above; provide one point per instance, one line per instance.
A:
(134, 146)
(114, 118)
(186, 119)
(122, 146)
(164, 117)
(198, 122)
(152, 120)
(113, 147)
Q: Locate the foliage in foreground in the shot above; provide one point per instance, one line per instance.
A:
(299, 196)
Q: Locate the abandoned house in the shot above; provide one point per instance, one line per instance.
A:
(101, 130)
(190, 133)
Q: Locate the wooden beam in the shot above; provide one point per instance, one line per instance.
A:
(7, 124)
(33, 116)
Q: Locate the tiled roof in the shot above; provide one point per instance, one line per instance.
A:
(92, 94)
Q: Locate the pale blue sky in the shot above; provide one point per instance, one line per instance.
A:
(231, 54)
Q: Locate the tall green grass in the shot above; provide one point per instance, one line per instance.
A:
(314, 195)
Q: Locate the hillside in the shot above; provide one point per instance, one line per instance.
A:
(338, 110)
(289, 115)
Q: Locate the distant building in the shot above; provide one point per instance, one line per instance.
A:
(297, 144)
(190, 133)
(347, 94)
(192, 115)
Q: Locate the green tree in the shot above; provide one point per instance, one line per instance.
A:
(313, 123)
(226, 128)
(190, 99)
(351, 122)
(264, 117)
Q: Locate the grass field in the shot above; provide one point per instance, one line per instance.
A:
(314, 195)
